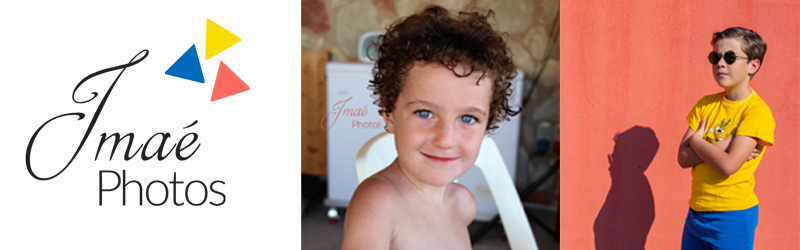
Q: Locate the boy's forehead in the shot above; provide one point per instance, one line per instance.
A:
(731, 43)
(434, 71)
(436, 79)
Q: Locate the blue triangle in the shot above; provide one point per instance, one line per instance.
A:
(188, 67)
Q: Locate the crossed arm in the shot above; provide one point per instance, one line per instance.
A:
(726, 156)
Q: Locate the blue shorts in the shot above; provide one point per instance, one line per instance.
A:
(726, 230)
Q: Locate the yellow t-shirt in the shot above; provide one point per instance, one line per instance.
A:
(712, 190)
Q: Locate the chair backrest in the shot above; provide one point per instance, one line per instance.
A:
(376, 154)
(379, 152)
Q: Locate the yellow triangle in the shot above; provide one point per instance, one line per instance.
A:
(218, 39)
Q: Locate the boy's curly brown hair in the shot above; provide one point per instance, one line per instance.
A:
(434, 35)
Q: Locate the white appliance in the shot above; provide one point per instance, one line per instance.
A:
(352, 119)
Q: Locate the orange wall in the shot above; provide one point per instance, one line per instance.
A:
(630, 72)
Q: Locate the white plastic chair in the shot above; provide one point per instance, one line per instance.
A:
(379, 152)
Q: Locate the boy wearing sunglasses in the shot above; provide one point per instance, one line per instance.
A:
(724, 145)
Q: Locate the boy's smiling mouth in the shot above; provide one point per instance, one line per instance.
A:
(440, 159)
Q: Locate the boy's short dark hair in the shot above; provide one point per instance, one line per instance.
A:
(436, 36)
(752, 44)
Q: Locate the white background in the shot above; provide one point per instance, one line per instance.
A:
(251, 140)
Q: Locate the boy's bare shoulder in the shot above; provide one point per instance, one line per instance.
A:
(371, 215)
(376, 192)
(463, 202)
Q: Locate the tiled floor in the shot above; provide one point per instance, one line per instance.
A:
(319, 233)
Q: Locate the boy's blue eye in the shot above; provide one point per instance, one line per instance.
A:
(468, 119)
(423, 113)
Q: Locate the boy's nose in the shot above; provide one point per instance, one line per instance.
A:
(444, 136)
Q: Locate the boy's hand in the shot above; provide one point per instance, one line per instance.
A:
(755, 152)
(700, 129)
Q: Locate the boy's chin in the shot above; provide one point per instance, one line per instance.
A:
(727, 83)
(724, 83)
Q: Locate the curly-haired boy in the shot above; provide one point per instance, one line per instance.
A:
(443, 81)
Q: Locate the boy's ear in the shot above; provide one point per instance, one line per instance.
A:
(388, 119)
(754, 65)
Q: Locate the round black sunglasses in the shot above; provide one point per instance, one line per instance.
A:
(730, 57)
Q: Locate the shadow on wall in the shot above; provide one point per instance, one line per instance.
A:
(628, 212)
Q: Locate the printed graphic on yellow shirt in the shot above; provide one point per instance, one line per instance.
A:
(717, 133)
